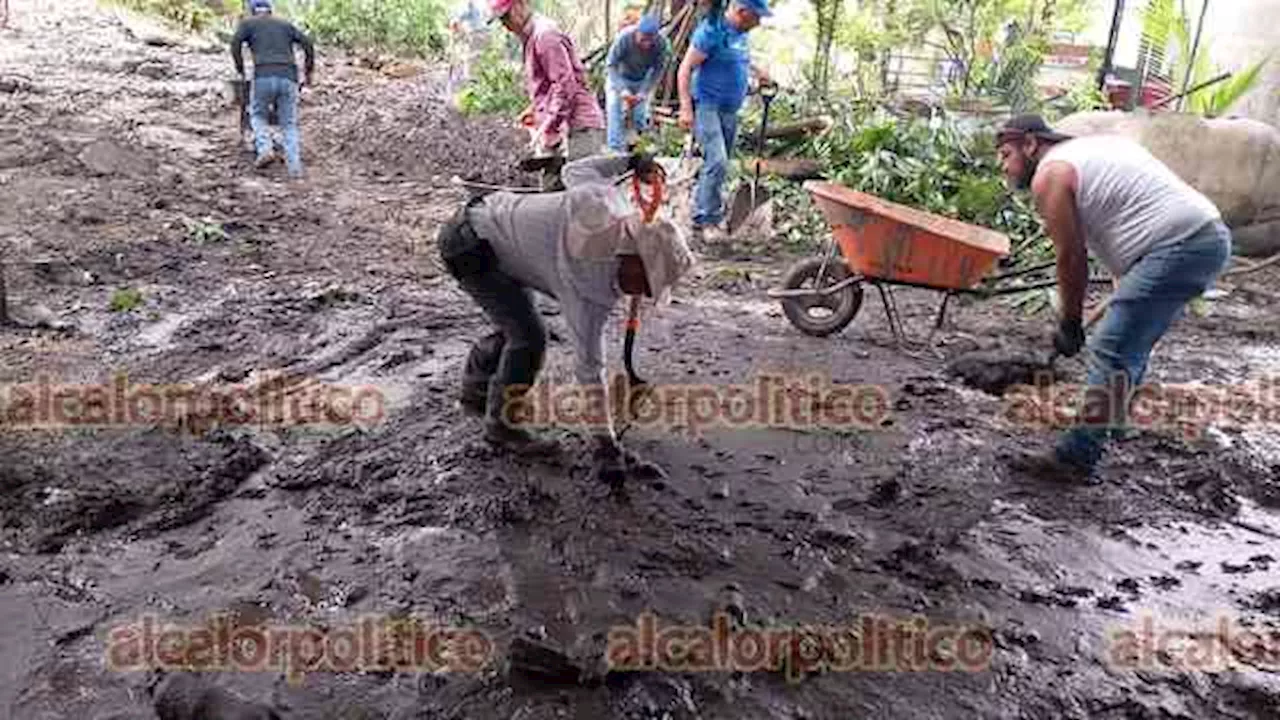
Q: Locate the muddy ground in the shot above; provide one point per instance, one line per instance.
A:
(121, 166)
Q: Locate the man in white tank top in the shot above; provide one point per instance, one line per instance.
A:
(1163, 242)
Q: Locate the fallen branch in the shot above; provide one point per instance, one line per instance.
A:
(1253, 266)
(800, 128)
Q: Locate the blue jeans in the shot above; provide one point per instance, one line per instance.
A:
(716, 131)
(617, 113)
(283, 93)
(1152, 295)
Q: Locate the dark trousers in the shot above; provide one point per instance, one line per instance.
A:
(503, 364)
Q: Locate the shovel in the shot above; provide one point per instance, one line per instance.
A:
(747, 199)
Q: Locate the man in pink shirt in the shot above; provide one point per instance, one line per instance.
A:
(565, 113)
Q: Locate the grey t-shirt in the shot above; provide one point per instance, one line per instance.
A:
(529, 234)
(1128, 201)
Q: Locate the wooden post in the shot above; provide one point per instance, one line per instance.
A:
(608, 19)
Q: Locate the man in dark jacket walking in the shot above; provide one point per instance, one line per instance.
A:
(275, 79)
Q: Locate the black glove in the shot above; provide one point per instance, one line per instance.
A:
(1069, 338)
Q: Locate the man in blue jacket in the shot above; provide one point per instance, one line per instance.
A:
(636, 61)
(712, 83)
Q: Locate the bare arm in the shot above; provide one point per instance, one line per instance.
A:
(684, 82)
(1054, 192)
(684, 77)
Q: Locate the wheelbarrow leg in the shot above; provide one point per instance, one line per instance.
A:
(942, 316)
(904, 344)
(891, 314)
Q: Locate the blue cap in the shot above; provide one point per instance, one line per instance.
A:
(759, 7)
(258, 6)
(649, 25)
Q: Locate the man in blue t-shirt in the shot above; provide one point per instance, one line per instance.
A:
(636, 61)
(713, 86)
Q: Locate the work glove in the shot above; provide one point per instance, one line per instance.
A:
(1069, 338)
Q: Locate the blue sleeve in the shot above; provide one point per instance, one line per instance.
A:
(615, 56)
(707, 38)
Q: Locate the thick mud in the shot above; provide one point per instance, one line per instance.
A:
(326, 476)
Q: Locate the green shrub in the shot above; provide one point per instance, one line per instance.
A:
(496, 87)
(413, 27)
(189, 15)
(125, 299)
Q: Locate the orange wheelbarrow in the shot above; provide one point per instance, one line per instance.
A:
(884, 244)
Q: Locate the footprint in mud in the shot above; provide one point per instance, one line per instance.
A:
(1267, 601)
(1131, 586)
(1111, 602)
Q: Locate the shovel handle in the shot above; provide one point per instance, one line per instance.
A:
(767, 98)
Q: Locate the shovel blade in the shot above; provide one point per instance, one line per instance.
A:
(746, 201)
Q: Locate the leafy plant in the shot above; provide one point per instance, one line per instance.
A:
(187, 15)
(496, 88)
(125, 299)
(1165, 23)
(205, 230)
(1219, 99)
(413, 27)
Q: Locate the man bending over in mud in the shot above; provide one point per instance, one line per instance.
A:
(275, 79)
(1163, 242)
(586, 247)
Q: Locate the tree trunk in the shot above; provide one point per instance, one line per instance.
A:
(828, 14)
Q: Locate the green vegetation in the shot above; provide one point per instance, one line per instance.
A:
(407, 27)
(411, 27)
(125, 299)
(188, 15)
(205, 230)
(497, 86)
(1166, 23)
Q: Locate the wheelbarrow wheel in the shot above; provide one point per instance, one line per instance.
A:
(824, 315)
